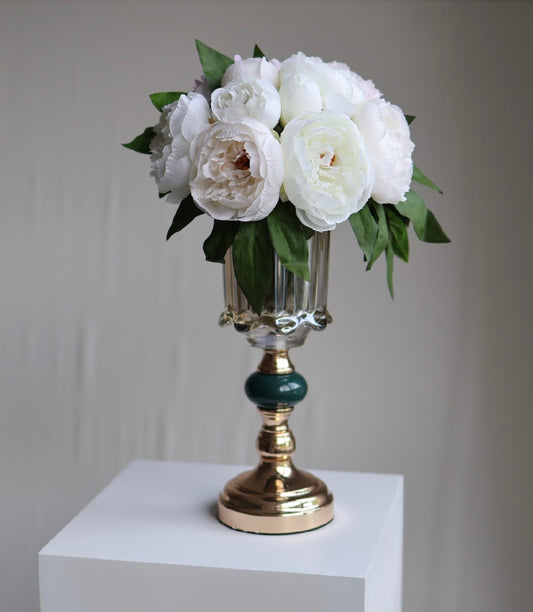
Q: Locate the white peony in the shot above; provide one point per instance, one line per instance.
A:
(299, 96)
(339, 89)
(251, 69)
(179, 124)
(328, 175)
(370, 91)
(256, 99)
(237, 170)
(387, 137)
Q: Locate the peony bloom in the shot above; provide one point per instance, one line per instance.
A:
(179, 124)
(256, 99)
(339, 89)
(299, 95)
(328, 175)
(251, 69)
(387, 137)
(370, 91)
(237, 170)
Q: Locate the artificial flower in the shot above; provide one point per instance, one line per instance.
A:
(387, 138)
(328, 175)
(257, 99)
(179, 123)
(237, 170)
(339, 90)
(313, 134)
(250, 69)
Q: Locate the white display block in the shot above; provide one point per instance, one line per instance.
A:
(150, 542)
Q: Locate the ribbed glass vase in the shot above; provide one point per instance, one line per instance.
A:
(293, 306)
(276, 497)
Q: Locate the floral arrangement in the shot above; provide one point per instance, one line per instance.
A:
(276, 151)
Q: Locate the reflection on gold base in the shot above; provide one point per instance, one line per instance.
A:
(274, 499)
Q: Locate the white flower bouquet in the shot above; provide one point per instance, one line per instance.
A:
(276, 151)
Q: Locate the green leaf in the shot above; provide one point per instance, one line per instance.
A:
(414, 208)
(161, 99)
(434, 232)
(399, 240)
(382, 238)
(288, 239)
(252, 260)
(365, 228)
(390, 267)
(258, 52)
(220, 240)
(214, 64)
(421, 178)
(141, 143)
(427, 228)
(409, 119)
(186, 212)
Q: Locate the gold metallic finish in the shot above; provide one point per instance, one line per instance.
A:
(276, 362)
(274, 525)
(275, 497)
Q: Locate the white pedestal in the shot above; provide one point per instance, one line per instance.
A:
(150, 542)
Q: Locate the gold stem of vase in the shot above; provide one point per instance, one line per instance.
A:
(275, 497)
(275, 362)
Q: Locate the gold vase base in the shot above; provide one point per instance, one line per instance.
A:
(275, 500)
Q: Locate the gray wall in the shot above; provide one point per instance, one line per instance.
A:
(110, 344)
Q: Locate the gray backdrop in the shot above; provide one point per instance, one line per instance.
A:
(110, 344)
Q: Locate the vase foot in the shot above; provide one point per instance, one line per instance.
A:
(273, 499)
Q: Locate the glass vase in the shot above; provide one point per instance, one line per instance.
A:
(276, 497)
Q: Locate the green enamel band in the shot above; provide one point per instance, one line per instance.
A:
(270, 390)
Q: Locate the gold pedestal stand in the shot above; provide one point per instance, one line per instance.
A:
(275, 497)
